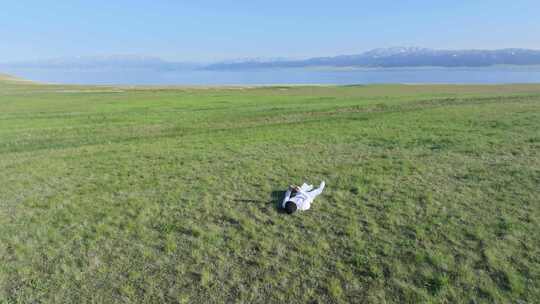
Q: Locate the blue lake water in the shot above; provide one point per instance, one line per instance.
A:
(482, 75)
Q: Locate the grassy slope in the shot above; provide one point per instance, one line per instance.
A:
(6, 78)
(169, 195)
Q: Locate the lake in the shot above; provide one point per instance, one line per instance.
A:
(480, 75)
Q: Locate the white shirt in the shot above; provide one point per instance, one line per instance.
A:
(304, 197)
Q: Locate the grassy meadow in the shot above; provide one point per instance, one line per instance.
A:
(169, 194)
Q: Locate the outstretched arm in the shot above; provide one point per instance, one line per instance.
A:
(317, 191)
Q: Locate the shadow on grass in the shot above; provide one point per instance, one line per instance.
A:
(276, 199)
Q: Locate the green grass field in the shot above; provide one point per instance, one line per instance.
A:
(169, 195)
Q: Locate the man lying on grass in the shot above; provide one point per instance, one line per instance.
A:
(300, 198)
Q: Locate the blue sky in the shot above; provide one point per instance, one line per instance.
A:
(207, 30)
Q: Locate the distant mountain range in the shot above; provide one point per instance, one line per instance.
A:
(387, 57)
(400, 57)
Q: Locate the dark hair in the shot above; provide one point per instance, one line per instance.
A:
(290, 207)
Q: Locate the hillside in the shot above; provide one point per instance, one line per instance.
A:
(6, 78)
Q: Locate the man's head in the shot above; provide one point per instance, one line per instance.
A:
(290, 207)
